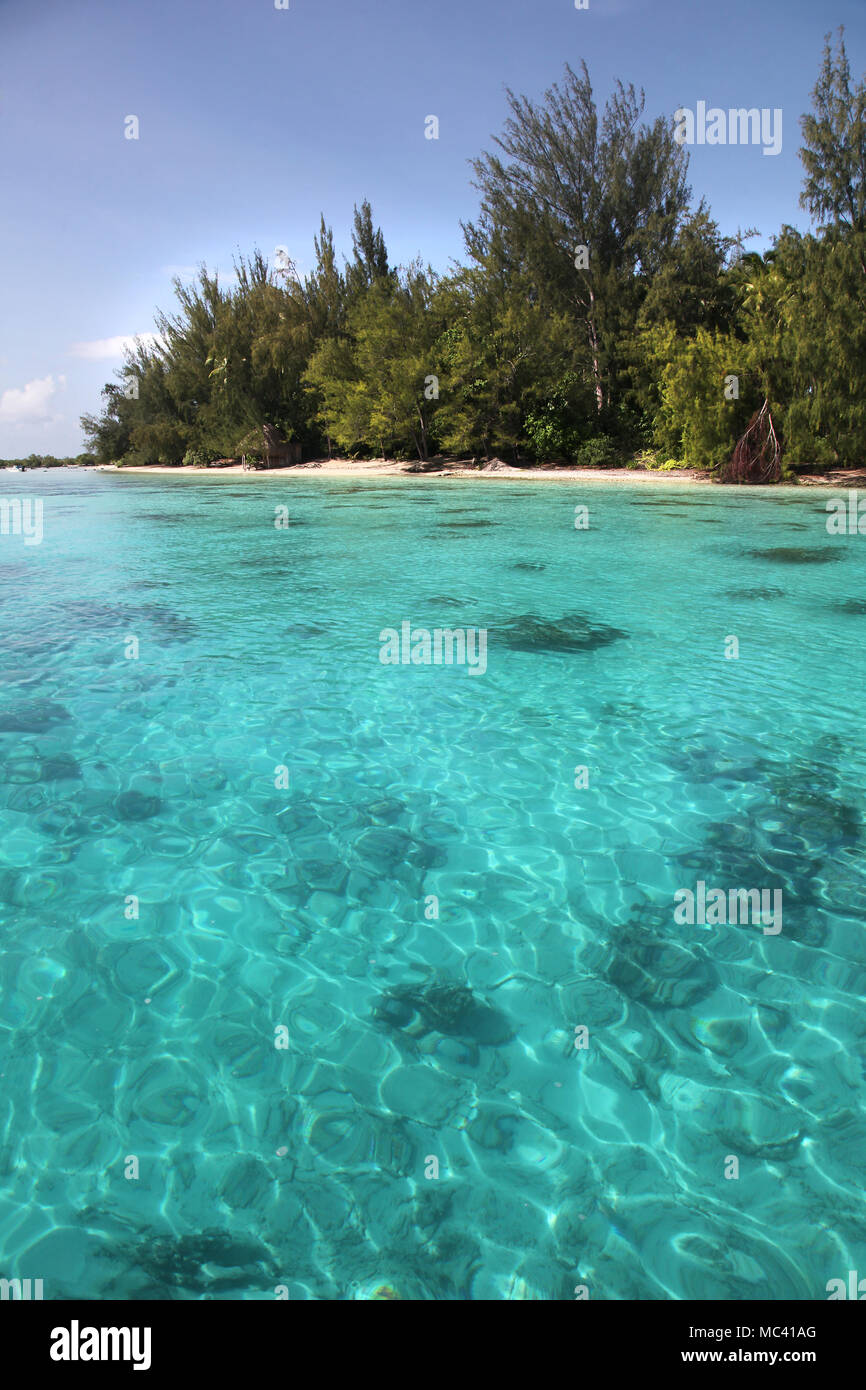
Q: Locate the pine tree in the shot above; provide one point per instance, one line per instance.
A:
(589, 204)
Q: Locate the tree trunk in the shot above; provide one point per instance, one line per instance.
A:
(593, 345)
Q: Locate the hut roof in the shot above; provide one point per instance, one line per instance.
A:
(264, 440)
(274, 442)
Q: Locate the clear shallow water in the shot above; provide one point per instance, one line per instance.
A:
(306, 907)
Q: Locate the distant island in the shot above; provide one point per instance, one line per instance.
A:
(49, 461)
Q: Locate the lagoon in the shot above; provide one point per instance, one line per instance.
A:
(170, 900)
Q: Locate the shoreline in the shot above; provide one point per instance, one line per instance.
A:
(366, 469)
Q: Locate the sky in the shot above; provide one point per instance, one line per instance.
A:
(253, 120)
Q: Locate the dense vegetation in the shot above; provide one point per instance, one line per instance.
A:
(600, 316)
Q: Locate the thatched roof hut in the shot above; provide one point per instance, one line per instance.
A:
(265, 447)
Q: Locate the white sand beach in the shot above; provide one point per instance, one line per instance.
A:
(391, 468)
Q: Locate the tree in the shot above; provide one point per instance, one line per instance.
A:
(702, 407)
(374, 383)
(371, 256)
(597, 310)
(804, 316)
(589, 205)
(325, 289)
(834, 145)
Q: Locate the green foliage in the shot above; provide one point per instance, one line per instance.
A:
(653, 460)
(600, 452)
(377, 382)
(697, 420)
(834, 145)
(524, 351)
(575, 177)
(556, 429)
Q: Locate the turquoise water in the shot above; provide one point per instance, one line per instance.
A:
(413, 1037)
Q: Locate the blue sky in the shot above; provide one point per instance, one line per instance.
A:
(253, 120)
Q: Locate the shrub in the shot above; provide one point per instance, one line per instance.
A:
(646, 458)
(195, 458)
(695, 416)
(600, 452)
(548, 438)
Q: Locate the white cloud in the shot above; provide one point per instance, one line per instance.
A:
(101, 349)
(31, 404)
